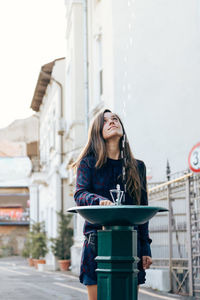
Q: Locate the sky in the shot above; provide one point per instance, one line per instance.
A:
(32, 33)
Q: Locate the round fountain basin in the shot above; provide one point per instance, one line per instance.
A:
(122, 215)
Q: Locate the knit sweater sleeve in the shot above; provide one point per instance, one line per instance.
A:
(82, 195)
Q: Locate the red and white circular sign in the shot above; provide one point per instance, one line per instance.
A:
(194, 158)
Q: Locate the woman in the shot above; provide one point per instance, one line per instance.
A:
(105, 162)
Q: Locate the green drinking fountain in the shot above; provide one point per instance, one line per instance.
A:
(117, 247)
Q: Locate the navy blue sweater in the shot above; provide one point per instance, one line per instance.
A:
(93, 185)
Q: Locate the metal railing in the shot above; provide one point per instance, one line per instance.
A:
(176, 234)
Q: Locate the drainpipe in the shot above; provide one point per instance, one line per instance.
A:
(61, 134)
(85, 51)
(38, 204)
(38, 156)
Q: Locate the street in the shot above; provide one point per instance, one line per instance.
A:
(18, 281)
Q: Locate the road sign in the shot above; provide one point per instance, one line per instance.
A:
(194, 158)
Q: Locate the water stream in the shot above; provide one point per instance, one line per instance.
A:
(127, 86)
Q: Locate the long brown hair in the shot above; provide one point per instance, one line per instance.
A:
(96, 147)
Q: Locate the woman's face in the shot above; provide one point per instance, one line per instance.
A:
(112, 126)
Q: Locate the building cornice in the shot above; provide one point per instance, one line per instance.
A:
(42, 83)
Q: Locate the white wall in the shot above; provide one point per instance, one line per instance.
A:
(75, 112)
(151, 66)
(100, 51)
(157, 44)
(15, 171)
(46, 185)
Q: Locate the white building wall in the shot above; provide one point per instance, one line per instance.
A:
(75, 111)
(150, 58)
(100, 51)
(46, 185)
(34, 199)
(157, 46)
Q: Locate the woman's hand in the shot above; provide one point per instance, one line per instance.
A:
(146, 262)
(106, 202)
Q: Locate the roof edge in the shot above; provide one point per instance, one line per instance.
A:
(42, 83)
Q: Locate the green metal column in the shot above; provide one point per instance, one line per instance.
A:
(117, 263)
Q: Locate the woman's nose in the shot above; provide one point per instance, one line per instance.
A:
(111, 121)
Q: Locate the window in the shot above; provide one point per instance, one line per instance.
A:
(52, 131)
(98, 69)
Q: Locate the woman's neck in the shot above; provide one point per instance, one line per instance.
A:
(112, 148)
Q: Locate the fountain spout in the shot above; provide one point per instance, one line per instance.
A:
(117, 195)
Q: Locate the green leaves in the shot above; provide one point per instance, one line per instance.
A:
(61, 245)
(39, 243)
(36, 242)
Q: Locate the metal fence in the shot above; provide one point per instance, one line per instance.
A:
(176, 234)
